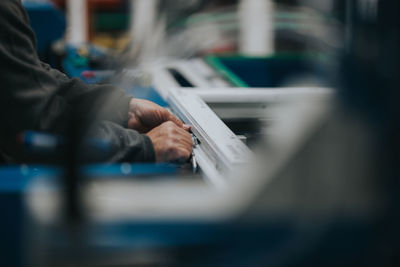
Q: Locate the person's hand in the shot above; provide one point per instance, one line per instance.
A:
(171, 142)
(145, 115)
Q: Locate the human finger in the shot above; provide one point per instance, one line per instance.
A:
(171, 117)
(185, 137)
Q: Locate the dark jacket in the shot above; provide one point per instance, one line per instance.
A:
(33, 96)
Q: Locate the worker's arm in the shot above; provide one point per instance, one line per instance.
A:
(26, 83)
(34, 96)
(125, 145)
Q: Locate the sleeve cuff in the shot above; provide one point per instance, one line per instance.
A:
(124, 103)
(149, 154)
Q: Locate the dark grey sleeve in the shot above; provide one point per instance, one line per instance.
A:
(34, 96)
(125, 145)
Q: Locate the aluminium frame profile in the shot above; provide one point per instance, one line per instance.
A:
(220, 151)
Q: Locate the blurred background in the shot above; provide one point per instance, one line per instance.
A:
(294, 107)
